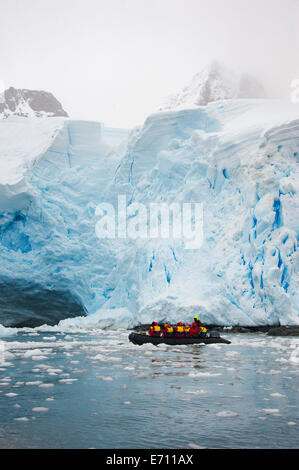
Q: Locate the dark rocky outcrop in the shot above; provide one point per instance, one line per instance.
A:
(27, 103)
(284, 331)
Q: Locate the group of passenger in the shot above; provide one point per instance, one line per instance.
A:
(180, 330)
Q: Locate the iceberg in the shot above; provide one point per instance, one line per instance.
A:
(238, 158)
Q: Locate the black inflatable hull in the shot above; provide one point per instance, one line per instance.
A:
(139, 339)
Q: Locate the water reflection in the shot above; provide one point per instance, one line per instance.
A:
(99, 390)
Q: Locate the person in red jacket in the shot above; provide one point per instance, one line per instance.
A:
(196, 327)
(197, 320)
(155, 329)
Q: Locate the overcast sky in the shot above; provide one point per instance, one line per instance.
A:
(116, 60)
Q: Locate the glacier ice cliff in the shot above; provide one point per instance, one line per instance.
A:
(238, 157)
(55, 173)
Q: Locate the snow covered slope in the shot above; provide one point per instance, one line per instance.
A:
(238, 157)
(22, 141)
(215, 82)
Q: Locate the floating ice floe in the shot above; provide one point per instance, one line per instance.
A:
(277, 395)
(227, 414)
(203, 374)
(67, 381)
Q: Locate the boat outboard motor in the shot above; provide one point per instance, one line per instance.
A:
(214, 334)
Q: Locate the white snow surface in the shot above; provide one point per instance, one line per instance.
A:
(22, 141)
(238, 157)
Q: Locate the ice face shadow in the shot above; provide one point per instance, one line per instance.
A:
(27, 304)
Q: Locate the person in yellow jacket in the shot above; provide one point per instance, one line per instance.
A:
(202, 331)
(155, 329)
(187, 330)
(168, 331)
(179, 330)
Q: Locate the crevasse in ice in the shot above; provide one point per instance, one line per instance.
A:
(238, 157)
